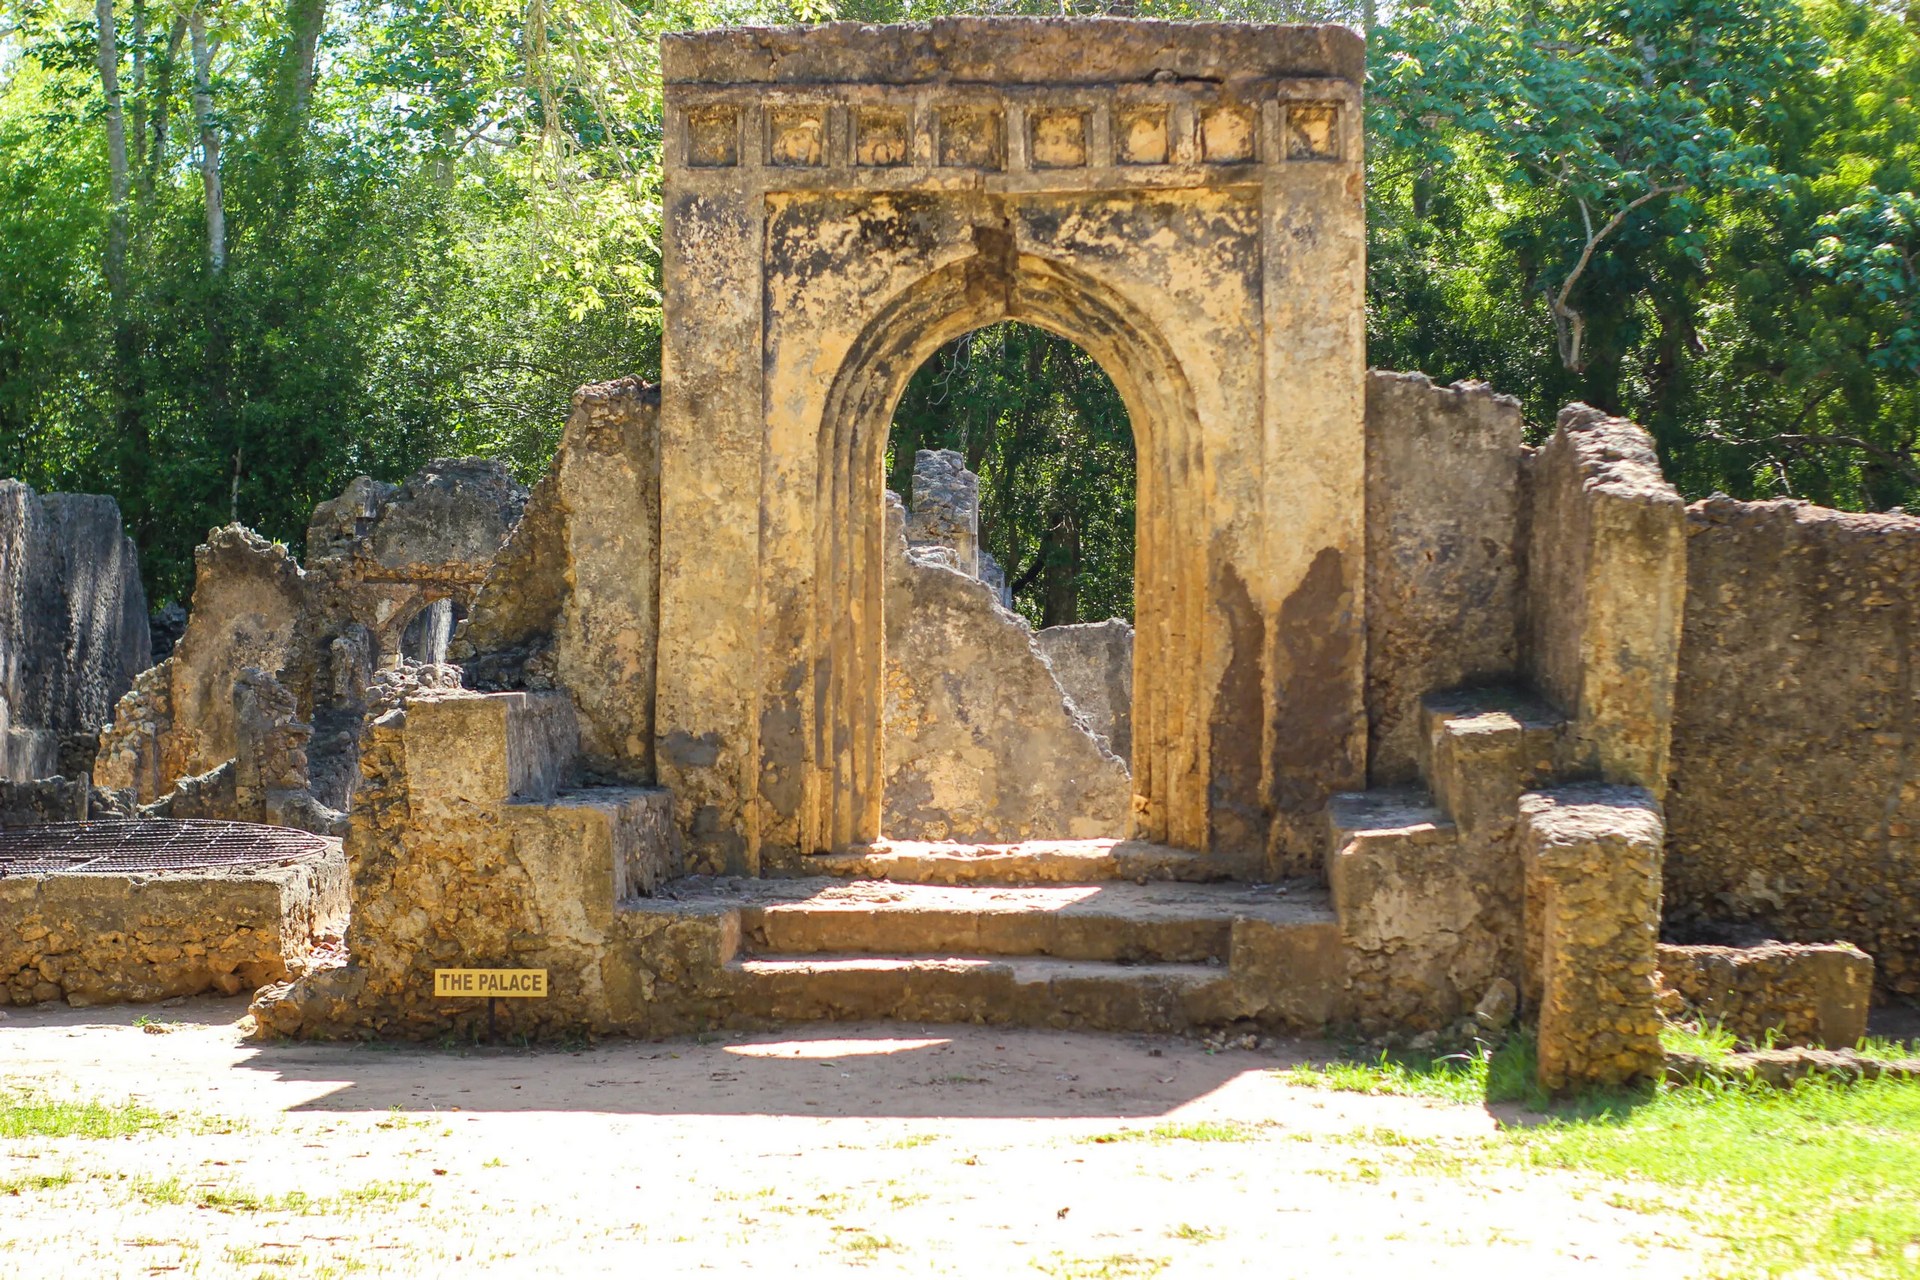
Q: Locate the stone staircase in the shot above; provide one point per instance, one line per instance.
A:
(1117, 936)
(1419, 910)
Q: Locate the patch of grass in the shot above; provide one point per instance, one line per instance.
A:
(158, 1191)
(1484, 1075)
(1820, 1179)
(913, 1140)
(28, 1115)
(1198, 1235)
(866, 1245)
(1707, 1040)
(20, 1183)
(1118, 1266)
(1197, 1131)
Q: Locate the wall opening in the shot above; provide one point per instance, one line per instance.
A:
(1045, 430)
(1008, 601)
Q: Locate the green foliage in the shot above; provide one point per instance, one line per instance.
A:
(1698, 213)
(1045, 429)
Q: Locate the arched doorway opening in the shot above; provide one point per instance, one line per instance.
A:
(1044, 429)
(844, 794)
(1008, 605)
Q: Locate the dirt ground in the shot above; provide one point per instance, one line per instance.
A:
(852, 1148)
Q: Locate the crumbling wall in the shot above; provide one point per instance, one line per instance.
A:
(1093, 661)
(980, 741)
(1778, 993)
(1795, 802)
(388, 567)
(1606, 580)
(73, 627)
(573, 599)
(466, 851)
(1443, 552)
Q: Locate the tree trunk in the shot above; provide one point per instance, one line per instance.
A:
(1060, 573)
(162, 100)
(139, 107)
(118, 186)
(209, 143)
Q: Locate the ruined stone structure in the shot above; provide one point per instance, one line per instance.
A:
(1414, 719)
(257, 713)
(73, 628)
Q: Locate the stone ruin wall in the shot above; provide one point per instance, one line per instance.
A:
(73, 628)
(981, 744)
(1794, 810)
(257, 713)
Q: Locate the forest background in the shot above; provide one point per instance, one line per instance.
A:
(252, 248)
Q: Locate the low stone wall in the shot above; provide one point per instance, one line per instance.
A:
(122, 938)
(1790, 993)
(1795, 804)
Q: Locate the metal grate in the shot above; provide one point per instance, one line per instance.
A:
(151, 844)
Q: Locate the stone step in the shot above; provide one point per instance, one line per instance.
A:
(1114, 921)
(1398, 816)
(1025, 862)
(1161, 998)
(1480, 748)
(1393, 868)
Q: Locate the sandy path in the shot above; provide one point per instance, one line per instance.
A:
(881, 1149)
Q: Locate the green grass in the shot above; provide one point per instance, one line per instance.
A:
(1198, 1131)
(1822, 1179)
(27, 1115)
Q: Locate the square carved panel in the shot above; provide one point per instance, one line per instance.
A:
(713, 137)
(798, 137)
(1313, 131)
(1226, 135)
(1057, 139)
(1140, 135)
(882, 138)
(972, 137)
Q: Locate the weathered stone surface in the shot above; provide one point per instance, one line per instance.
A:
(1443, 553)
(73, 626)
(101, 939)
(1606, 585)
(800, 296)
(249, 603)
(577, 588)
(1796, 787)
(1093, 661)
(945, 507)
(1592, 855)
(980, 741)
(43, 800)
(464, 852)
(389, 570)
(1788, 993)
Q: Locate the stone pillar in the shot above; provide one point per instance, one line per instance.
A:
(946, 507)
(1592, 855)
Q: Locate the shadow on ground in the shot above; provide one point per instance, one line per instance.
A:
(816, 1070)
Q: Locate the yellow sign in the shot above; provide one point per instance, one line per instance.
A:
(502, 984)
